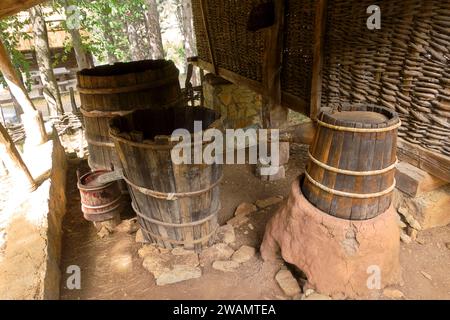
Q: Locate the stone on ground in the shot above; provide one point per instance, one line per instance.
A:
(409, 218)
(180, 251)
(225, 266)
(129, 226)
(104, 232)
(156, 265)
(244, 209)
(243, 254)
(393, 293)
(219, 251)
(287, 282)
(309, 292)
(317, 296)
(189, 259)
(140, 237)
(264, 203)
(226, 234)
(238, 221)
(177, 274)
(405, 238)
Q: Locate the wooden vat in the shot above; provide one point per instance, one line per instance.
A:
(351, 169)
(111, 90)
(176, 204)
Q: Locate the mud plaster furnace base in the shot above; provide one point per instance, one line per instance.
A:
(339, 257)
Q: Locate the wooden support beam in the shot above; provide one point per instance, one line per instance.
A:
(274, 114)
(414, 181)
(434, 163)
(319, 34)
(11, 7)
(33, 123)
(14, 161)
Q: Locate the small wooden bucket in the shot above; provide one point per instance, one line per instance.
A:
(176, 204)
(99, 202)
(351, 170)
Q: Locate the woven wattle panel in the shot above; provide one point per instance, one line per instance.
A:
(200, 32)
(298, 48)
(404, 66)
(234, 47)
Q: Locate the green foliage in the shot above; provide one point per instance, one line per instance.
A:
(103, 29)
(11, 32)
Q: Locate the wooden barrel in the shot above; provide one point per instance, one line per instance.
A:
(176, 204)
(351, 169)
(111, 90)
(99, 202)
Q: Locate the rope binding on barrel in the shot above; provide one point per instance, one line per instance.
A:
(351, 172)
(360, 130)
(128, 89)
(172, 196)
(171, 224)
(350, 194)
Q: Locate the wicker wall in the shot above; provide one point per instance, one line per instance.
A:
(234, 48)
(241, 51)
(298, 48)
(404, 66)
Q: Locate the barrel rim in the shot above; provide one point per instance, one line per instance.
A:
(99, 72)
(84, 187)
(327, 116)
(164, 141)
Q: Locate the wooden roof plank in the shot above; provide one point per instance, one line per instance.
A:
(11, 7)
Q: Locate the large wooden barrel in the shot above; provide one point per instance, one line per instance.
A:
(176, 204)
(111, 90)
(351, 169)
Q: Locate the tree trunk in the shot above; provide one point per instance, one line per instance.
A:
(33, 123)
(187, 30)
(43, 56)
(14, 161)
(154, 30)
(133, 39)
(106, 31)
(83, 59)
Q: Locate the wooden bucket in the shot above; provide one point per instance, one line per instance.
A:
(176, 204)
(99, 202)
(351, 169)
(111, 90)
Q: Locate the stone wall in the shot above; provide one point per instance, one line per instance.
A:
(240, 107)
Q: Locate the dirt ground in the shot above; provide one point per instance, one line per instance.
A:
(112, 269)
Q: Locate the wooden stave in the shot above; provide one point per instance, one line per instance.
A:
(329, 140)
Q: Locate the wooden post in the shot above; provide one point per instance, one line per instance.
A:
(319, 34)
(33, 123)
(274, 114)
(14, 160)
